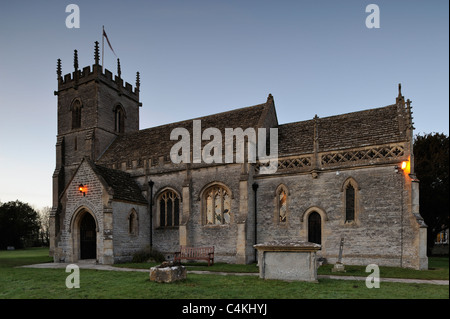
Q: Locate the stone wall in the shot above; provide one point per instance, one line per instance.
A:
(376, 235)
(223, 237)
(127, 242)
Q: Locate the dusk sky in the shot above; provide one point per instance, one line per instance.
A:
(203, 57)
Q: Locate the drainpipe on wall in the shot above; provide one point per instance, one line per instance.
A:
(401, 219)
(255, 187)
(150, 184)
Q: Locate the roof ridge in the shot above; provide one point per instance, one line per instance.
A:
(205, 116)
(341, 115)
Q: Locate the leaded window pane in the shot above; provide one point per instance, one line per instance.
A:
(282, 206)
(209, 209)
(169, 209)
(162, 212)
(218, 206)
(176, 220)
(350, 203)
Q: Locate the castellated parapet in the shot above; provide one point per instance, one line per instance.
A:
(97, 74)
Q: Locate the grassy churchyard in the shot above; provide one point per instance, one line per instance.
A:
(32, 283)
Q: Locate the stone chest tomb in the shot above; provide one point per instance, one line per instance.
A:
(288, 260)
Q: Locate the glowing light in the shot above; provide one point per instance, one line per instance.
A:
(404, 165)
(82, 188)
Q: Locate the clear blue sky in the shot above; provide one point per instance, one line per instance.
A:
(203, 57)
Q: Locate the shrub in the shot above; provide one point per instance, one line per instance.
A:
(143, 255)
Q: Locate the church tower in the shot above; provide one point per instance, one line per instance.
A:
(93, 109)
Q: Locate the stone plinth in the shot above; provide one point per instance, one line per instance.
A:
(288, 260)
(338, 267)
(167, 272)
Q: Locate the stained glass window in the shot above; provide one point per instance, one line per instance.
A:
(218, 206)
(282, 209)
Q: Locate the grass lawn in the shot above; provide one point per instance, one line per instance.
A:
(439, 269)
(28, 283)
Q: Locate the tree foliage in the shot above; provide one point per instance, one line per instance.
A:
(431, 163)
(19, 225)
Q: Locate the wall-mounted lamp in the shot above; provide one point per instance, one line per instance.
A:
(403, 166)
(82, 188)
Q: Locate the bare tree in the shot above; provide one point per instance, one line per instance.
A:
(44, 220)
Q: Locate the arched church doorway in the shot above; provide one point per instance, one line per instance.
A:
(88, 237)
(315, 228)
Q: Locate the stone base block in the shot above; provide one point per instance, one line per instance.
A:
(288, 260)
(338, 267)
(167, 272)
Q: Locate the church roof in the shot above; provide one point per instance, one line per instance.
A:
(358, 129)
(155, 142)
(352, 130)
(123, 186)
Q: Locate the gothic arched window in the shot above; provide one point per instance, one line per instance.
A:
(76, 114)
(217, 205)
(351, 194)
(169, 209)
(349, 203)
(281, 197)
(133, 223)
(119, 119)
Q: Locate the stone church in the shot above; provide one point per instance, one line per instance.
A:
(116, 189)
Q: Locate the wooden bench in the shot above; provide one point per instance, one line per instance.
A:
(195, 253)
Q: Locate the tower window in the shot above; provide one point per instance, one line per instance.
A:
(76, 114)
(119, 119)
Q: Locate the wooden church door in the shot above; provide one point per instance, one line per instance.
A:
(88, 238)
(315, 228)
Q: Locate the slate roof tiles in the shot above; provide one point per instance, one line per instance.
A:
(358, 129)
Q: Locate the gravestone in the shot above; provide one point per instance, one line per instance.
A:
(339, 266)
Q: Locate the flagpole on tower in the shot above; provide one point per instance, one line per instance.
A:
(103, 44)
